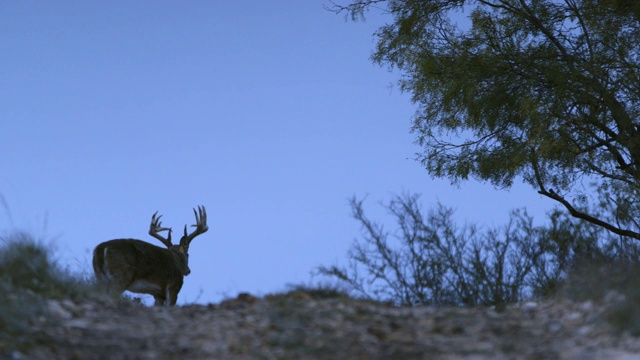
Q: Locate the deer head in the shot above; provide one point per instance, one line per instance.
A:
(140, 267)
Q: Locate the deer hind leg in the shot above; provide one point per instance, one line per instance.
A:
(99, 265)
(116, 274)
(102, 270)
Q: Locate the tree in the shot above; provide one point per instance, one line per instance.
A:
(543, 90)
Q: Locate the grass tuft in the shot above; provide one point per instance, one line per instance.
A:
(319, 290)
(29, 277)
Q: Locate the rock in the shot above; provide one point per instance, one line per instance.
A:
(57, 309)
(302, 327)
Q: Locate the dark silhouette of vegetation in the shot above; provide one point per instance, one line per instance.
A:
(29, 278)
(430, 259)
(546, 91)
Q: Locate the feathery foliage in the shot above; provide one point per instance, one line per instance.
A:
(545, 90)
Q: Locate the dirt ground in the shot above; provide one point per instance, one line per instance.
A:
(299, 326)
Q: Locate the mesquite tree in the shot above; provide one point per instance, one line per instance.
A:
(547, 91)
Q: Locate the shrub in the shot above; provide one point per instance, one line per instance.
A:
(432, 260)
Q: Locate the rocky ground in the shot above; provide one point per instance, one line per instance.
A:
(300, 326)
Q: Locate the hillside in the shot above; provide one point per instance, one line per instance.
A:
(298, 325)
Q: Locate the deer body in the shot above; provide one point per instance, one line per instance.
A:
(140, 267)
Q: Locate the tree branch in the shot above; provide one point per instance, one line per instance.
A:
(572, 210)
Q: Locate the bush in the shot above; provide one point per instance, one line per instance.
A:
(432, 260)
(612, 281)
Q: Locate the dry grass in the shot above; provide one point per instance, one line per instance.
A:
(29, 276)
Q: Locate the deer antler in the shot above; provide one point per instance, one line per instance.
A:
(200, 225)
(156, 226)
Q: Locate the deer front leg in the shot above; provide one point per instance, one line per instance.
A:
(172, 291)
(160, 301)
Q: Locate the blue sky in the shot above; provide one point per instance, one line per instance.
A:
(268, 113)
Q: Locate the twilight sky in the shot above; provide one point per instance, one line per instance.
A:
(268, 113)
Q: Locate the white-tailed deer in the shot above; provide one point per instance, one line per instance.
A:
(140, 267)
